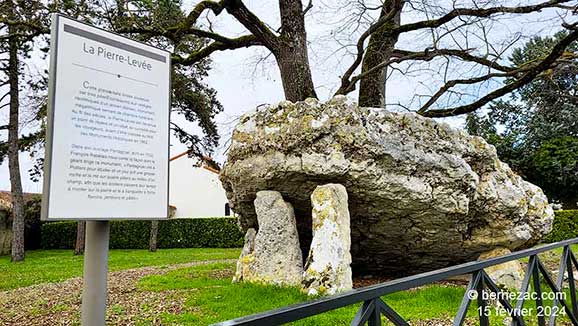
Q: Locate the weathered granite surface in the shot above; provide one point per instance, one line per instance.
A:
(328, 270)
(245, 262)
(273, 254)
(422, 195)
(509, 275)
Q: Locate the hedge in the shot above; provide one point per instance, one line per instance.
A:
(32, 223)
(216, 232)
(565, 226)
(32, 227)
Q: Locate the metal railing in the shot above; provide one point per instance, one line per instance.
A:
(374, 307)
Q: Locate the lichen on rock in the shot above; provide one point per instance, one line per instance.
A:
(422, 195)
(508, 275)
(272, 254)
(246, 259)
(328, 270)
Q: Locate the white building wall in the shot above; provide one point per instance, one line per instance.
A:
(195, 191)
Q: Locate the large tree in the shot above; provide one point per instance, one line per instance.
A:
(459, 33)
(21, 22)
(25, 26)
(25, 36)
(191, 98)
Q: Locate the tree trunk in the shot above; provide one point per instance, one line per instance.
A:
(13, 150)
(379, 49)
(291, 53)
(295, 73)
(153, 236)
(80, 236)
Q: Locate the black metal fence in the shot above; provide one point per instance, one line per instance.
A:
(479, 287)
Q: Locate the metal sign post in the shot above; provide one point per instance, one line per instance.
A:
(95, 273)
(107, 141)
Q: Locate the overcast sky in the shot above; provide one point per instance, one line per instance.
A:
(242, 84)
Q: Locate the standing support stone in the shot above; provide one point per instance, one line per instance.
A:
(275, 256)
(328, 270)
(246, 259)
(509, 274)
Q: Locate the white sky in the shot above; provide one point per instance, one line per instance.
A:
(242, 84)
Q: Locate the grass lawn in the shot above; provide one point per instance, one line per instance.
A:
(210, 298)
(204, 294)
(42, 266)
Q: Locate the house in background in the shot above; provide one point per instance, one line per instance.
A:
(195, 189)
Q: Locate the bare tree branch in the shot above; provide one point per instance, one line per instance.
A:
(479, 12)
(232, 44)
(462, 54)
(459, 13)
(447, 86)
(258, 28)
(309, 6)
(194, 15)
(533, 71)
(427, 55)
(361, 41)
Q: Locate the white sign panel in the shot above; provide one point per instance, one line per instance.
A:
(107, 145)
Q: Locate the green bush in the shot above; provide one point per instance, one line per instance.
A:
(216, 232)
(32, 222)
(129, 234)
(200, 233)
(565, 226)
(58, 235)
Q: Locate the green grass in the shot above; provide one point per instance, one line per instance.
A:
(44, 266)
(211, 297)
(552, 255)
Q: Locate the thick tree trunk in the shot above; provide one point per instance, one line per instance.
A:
(80, 236)
(295, 72)
(153, 236)
(13, 150)
(291, 53)
(379, 49)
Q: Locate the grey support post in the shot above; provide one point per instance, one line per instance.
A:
(95, 273)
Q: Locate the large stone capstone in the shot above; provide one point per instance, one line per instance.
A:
(328, 270)
(422, 195)
(272, 254)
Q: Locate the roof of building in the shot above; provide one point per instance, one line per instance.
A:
(205, 159)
